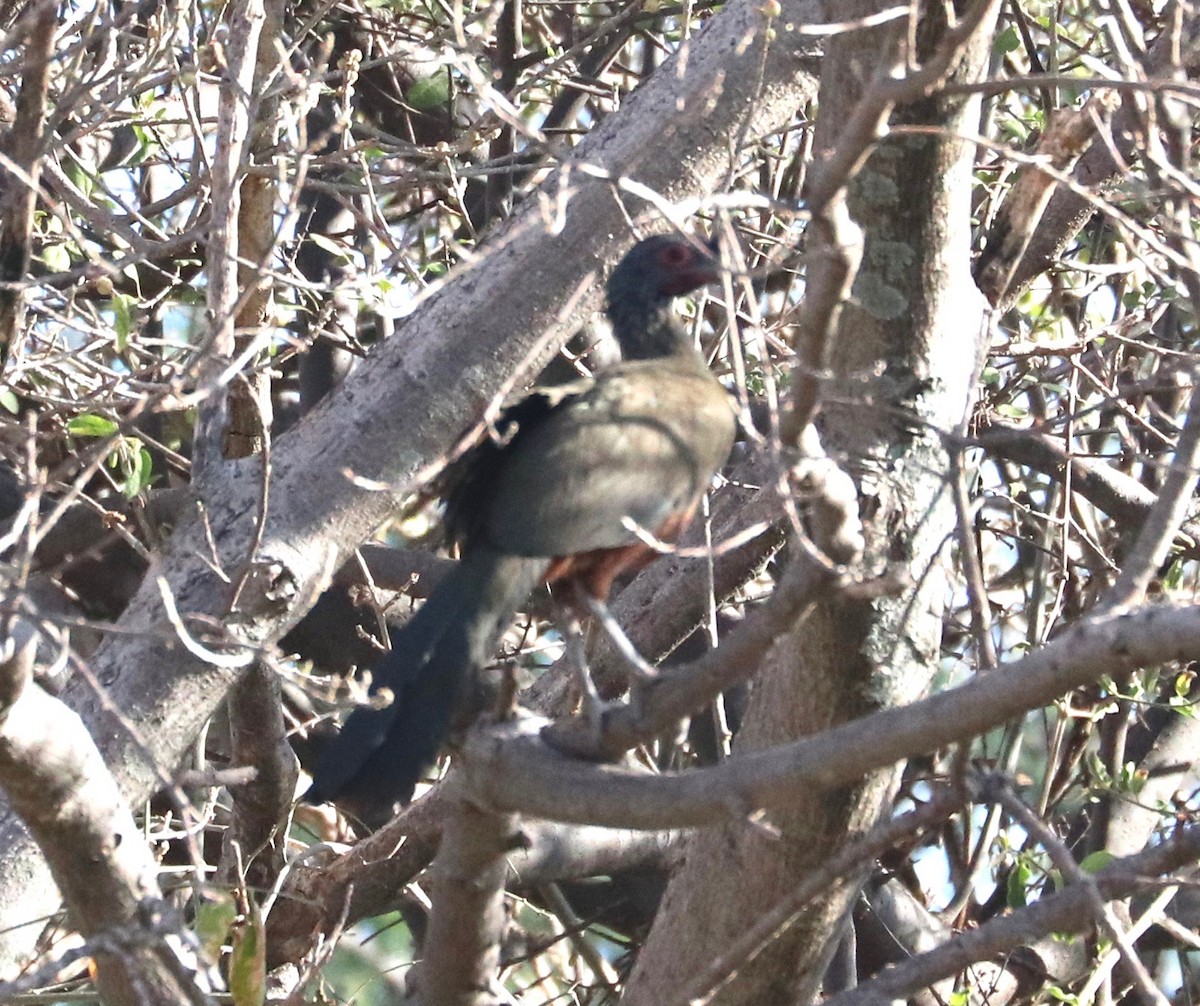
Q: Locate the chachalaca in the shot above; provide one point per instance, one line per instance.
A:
(550, 501)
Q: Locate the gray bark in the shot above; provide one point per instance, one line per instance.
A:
(916, 312)
(401, 411)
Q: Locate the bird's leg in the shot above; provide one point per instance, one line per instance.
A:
(640, 669)
(593, 704)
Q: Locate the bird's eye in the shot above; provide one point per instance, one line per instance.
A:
(674, 256)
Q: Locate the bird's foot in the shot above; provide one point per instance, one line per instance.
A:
(592, 704)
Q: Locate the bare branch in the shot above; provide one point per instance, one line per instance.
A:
(512, 769)
(1068, 911)
(56, 780)
(462, 946)
(23, 145)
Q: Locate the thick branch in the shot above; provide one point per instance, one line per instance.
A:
(369, 878)
(462, 948)
(1100, 168)
(1158, 530)
(512, 768)
(262, 806)
(1066, 912)
(23, 147)
(56, 780)
(382, 427)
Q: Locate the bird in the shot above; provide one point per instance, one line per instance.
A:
(558, 498)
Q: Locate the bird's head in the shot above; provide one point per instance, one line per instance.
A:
(662, 267)
(641, 288)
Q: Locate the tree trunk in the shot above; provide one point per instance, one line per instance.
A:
(850, 657)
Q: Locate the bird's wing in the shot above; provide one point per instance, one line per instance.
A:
(640, 445)
(471, 478)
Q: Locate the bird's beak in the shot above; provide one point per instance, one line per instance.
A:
(712, 272)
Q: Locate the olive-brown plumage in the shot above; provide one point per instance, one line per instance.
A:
(550, 501)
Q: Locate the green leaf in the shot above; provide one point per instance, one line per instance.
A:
(122, 305)
(1007, 41)
(90, 425)
(214, 919)
(141, 469)
(1183, 680)
(8, 400)
(330, 246)
(1010, 411)
(147, 144)
(1018, 881)
(430, 93)
(248, 964)
(1096, 861)
(56, 257)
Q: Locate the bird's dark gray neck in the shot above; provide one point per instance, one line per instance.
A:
(647, 331)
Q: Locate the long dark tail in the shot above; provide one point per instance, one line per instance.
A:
(380, 754)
